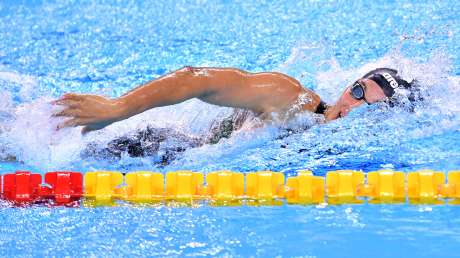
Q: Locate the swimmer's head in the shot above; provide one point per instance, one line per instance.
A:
(379, 85)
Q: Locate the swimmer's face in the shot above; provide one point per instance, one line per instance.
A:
(372, 93)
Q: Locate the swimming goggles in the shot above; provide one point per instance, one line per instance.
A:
(357, 91)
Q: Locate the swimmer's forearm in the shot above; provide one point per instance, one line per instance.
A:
(170, 89)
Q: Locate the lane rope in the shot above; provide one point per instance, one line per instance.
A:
(67, 188)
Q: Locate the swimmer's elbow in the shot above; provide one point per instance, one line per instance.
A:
(192, 82)
(211, 84)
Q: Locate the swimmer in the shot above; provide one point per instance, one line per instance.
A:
(258, 95)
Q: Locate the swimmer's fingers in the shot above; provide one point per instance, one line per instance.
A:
(67, 102)
(72, 123)
(74, 96)
(68, 112)
(70, 99)
(68, 123)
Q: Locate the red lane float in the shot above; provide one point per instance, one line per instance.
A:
(66, 187)
(24, 187)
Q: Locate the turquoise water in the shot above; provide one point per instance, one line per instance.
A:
(108, 47)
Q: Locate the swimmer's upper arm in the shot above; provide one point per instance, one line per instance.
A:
(260, 92)
(201, 82)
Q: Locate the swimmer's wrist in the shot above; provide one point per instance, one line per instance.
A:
(121, 109)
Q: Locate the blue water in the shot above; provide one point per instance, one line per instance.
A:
(48, 48)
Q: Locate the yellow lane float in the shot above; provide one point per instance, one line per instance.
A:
(225, 185)
(305, 189)
(101, 186)
(342, 186)
(184, 185)
(384, 186)
(143, 186)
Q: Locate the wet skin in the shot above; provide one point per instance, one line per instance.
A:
(264, 93)
(372, 94)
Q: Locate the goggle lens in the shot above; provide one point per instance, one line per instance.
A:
(357, 91)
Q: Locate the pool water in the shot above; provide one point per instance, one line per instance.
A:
(48, 48)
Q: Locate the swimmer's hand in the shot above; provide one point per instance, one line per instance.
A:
(91, 111)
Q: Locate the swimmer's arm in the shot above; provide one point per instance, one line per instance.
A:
(260, 92)
(229, 87)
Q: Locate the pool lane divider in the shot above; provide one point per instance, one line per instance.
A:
(68, 188)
